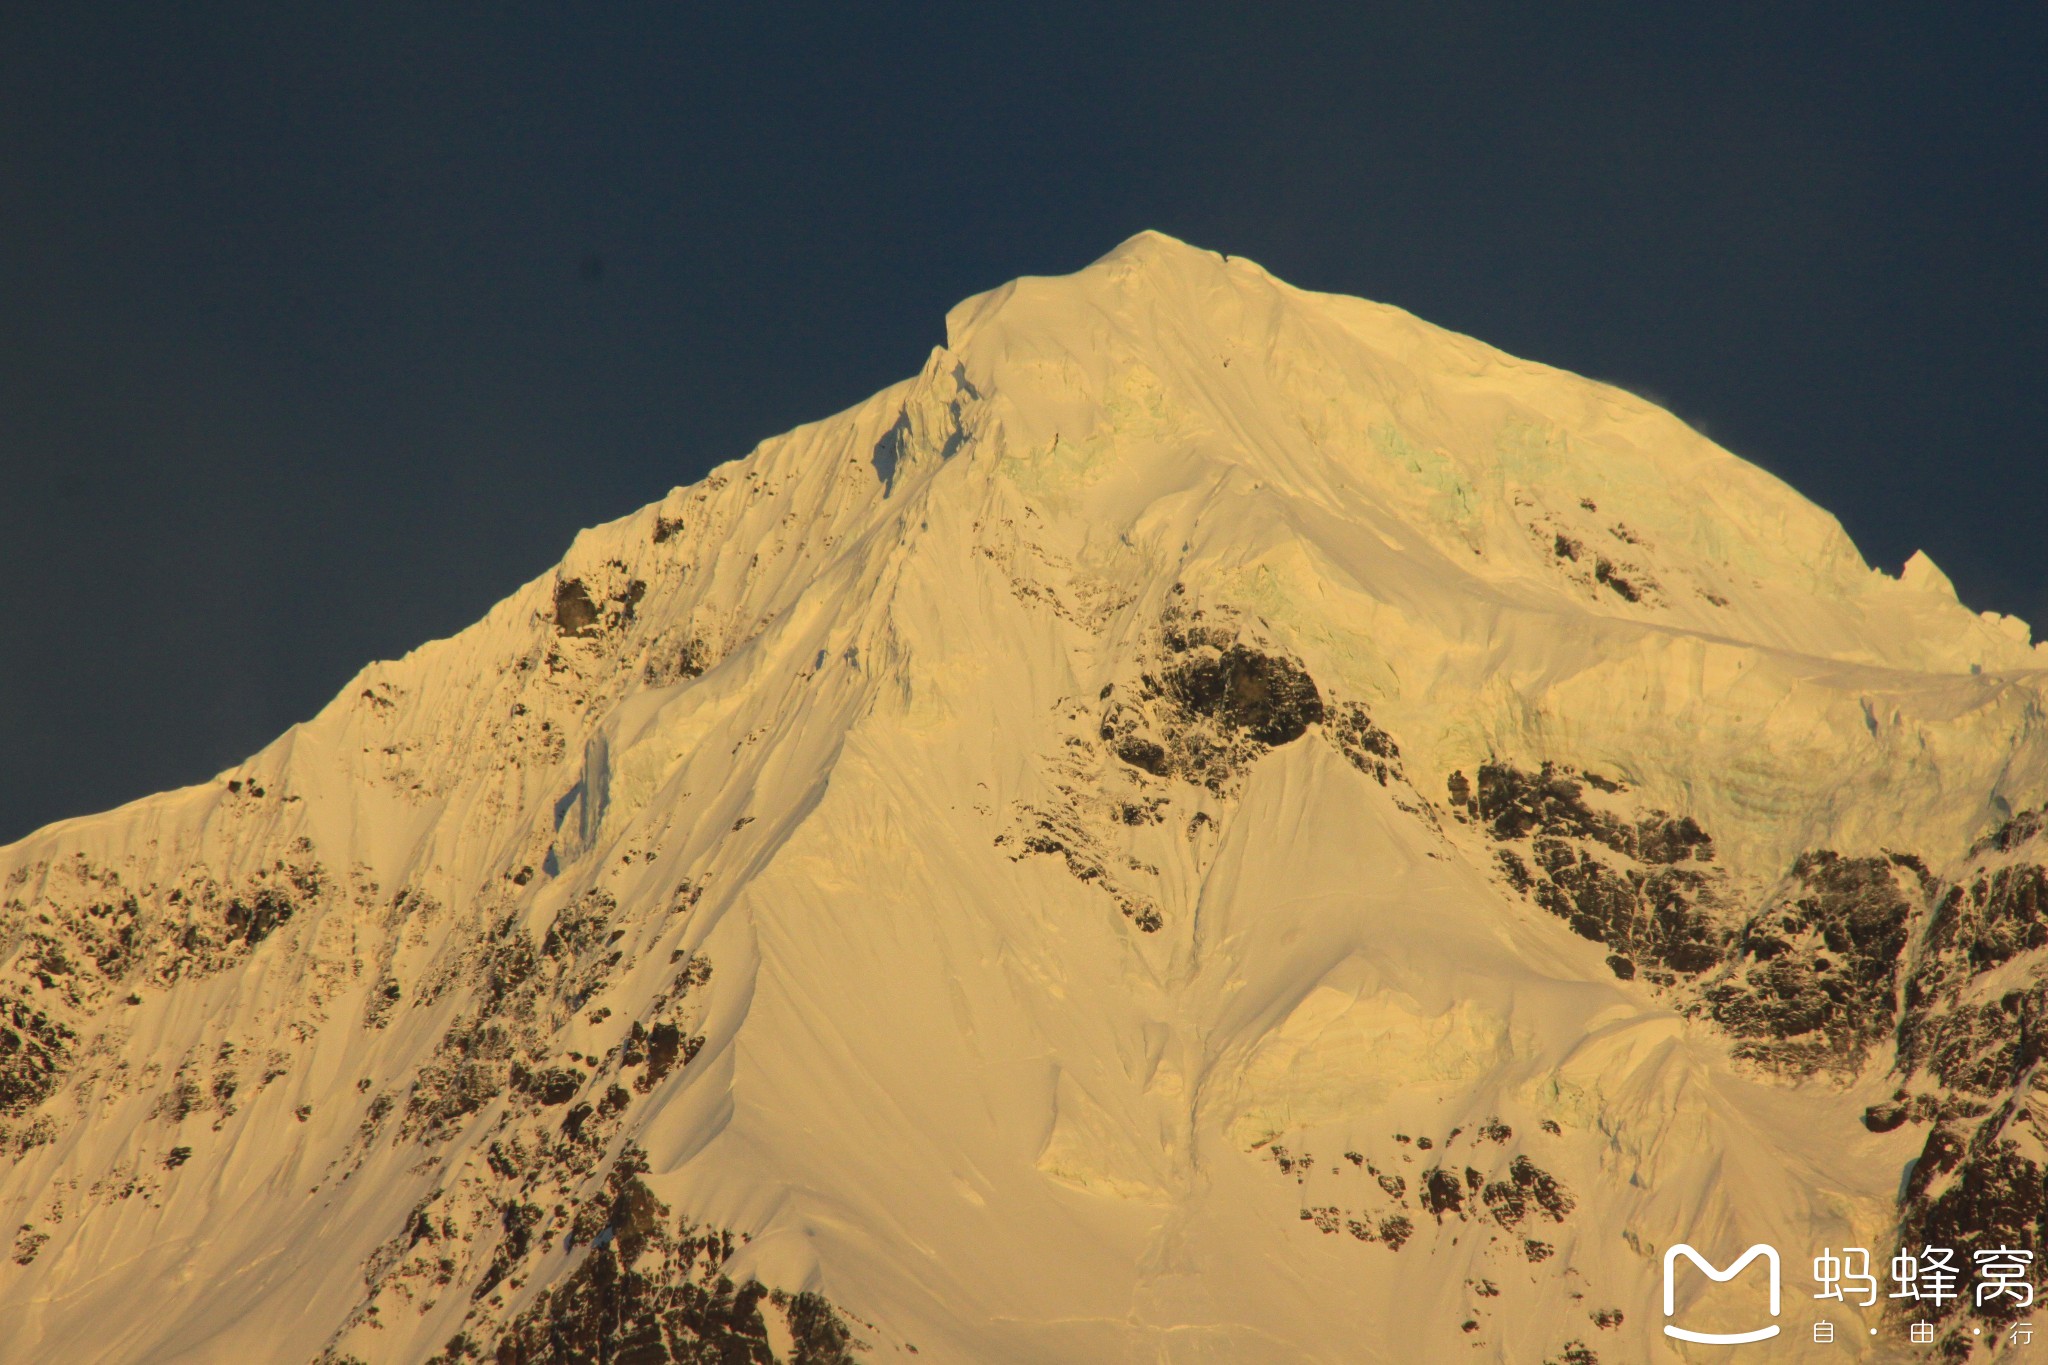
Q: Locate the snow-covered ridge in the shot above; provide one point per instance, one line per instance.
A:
(1031, 866)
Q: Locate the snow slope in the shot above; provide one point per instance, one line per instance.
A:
(1058, 861)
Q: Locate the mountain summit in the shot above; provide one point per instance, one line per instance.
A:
(1216, 823)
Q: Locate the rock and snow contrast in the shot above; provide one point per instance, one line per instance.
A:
(1215, 824)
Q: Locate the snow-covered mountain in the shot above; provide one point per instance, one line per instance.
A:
(1215, 824)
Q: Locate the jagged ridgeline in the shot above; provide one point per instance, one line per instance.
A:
(1214, 823)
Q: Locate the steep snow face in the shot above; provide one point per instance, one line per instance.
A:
(1215, 823)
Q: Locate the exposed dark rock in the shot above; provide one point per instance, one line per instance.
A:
(1513, 804)
(180, 1100)
(818, 1336)
(575, 612)
(1514, 869)
(1213, 704)
(1978, 1192)
(2012, 833)
(1979, 1179)
(1328, 1218)
(1662, 839)
(1645, 915)
(1813, 982)
(1526, 1187)
(1981, 1049)
(664, 1046)
(1142, 753)
(1635, 882)
(492, 1046)
(1076, 833)
(34, 1050)
(572, 1123)
(673, 662)
(1999, 915)
(645, 1296)
(1269, 698)
(1610, 576)
(253, 919)
(580, 614)
(383, 999)
(550, 1086)
(1441, 1193)
(1369, 749)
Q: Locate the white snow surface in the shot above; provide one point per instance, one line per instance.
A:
(944, 1082)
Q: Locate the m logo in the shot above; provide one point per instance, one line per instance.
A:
(1769, 1253)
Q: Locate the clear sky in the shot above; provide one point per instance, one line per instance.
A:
(323, 327)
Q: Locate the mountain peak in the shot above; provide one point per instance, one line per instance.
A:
(1212, 821)
(1922, 574)
(1161, 358)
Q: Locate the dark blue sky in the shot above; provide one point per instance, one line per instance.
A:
(322, 327)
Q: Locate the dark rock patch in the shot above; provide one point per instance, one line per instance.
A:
(1066, 833)
(1634, 882)
(1368, 748)
(383, 999)
(581, 614)
(1210, 704)
(34, 1051)
(1513, 804)
(1143, 754)
(1999, 915)
(2012, 833)
(1528, 1187)
(664, 1046)
(575, 612)
(1610, 576)
(1979, 1191)
(644, 1295)
(27, 1242)
(1441, 1193)
(549, 1086)
(1813, 980)
(677, 662)
(1271, 699)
